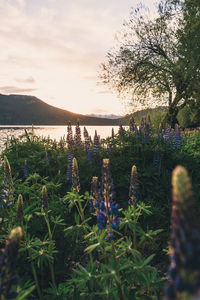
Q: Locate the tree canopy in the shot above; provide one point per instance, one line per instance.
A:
(157, 60)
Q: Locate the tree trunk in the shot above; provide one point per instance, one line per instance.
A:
(171, 116)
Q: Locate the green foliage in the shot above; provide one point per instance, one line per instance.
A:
(63, 254)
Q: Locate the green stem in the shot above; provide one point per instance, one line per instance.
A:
(36, 280)
(51, 266)
(120, 294)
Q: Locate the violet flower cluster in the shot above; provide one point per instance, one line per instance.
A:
(96, 147)
(107, 210)
(77, 136)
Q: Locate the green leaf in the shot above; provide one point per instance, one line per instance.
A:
(90, 248)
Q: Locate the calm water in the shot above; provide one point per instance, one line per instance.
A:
(54, 132)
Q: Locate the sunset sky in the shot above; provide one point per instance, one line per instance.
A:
(52, 49)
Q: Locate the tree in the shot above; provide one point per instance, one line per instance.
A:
(154, 62)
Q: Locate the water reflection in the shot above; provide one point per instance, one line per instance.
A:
(54, 132)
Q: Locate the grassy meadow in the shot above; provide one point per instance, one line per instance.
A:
(90, 219)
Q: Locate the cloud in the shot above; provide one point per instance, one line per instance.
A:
(29, 80)
(14, 89)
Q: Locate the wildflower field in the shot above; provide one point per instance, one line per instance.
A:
(101, 219)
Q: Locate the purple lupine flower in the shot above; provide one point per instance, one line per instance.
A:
(113, 133)
(54, 145)
(109, 148)
(132, 125)
(121, 131)
(156, 157)
(26, 170)
(184, 270)
(8, 276)
(61, 145)
(96, 146)
(87, 139)
(45, 202)
(101, 219)
(177, 137)
(75, 176)
(133, 189)
(107, 181)
(110, 235)
(77, 135)
(114, 207)
(70, 157)
(111, 208)
(20, 208)
(115, 222)
(168, 133)
(142, 124)
(70, 141)
(160, 134)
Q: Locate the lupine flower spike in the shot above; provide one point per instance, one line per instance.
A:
(177, 137)
(8, 190)
(160, 134)
(8, 276)
(113, 133)
(26, 170)
(78, 135)
(108, 213)
(70, 141)
(133, 189)
(75, 176)
(96, 146)
(45, 202)
(69, 165)
(184, 271)
(94, 194)
(132, 125)
(121, 131)
(156, 158)
(20, 208)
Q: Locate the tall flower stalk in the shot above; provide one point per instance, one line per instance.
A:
(20, 208)
(8, 259)
(133, 188)
(75, 176)
(8, 189)
(184, 271)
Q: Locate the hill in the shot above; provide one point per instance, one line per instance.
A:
(138, 115)
(27, 110)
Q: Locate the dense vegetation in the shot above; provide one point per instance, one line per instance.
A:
(105, 240)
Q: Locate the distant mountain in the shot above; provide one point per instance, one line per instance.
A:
(27, 110)
(111, 116)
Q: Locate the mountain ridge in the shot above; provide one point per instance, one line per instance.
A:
(27, 110)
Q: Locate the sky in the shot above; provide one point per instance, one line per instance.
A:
(52, 49)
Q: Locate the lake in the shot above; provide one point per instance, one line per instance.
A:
(54, 132)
